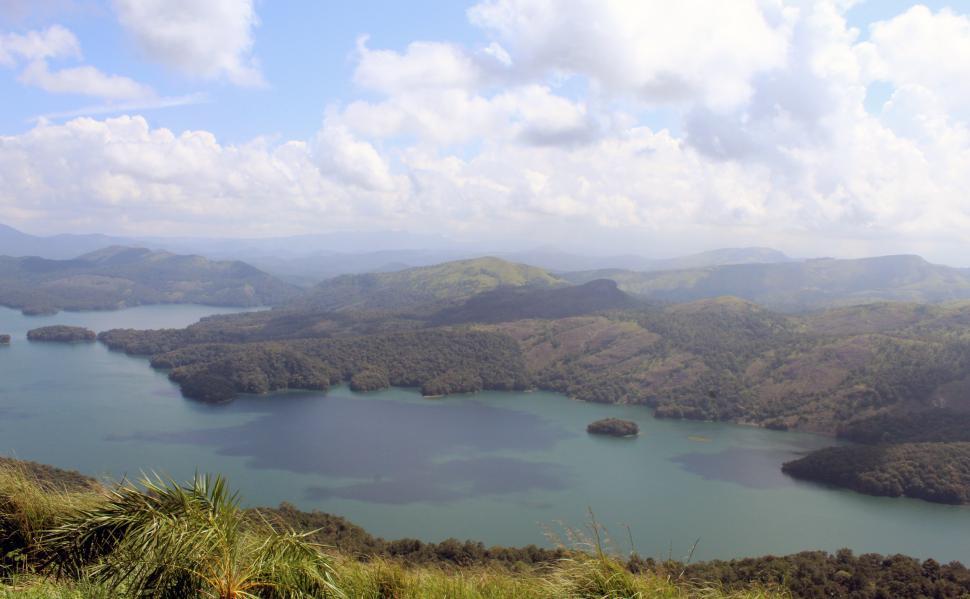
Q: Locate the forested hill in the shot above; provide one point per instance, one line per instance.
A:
(721, 359)
(119, 277)
(517, 303)
(797, 286)
(422, 287)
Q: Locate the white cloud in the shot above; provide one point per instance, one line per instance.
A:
(350, 160)
(427, 65)
(657, 51)
(209, 39)
(53, 42)
(928, 50)
(778, 147)
(84, 80)
(36, 48)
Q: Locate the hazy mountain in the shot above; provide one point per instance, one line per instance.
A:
(448, 282)
(308, 259)
(119, 277)
(805, 285)
(54, 247)
(559, 261)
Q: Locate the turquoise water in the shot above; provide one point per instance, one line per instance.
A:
(496, 467)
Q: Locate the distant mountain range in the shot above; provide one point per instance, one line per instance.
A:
(387, 279)
(796, 286)
(118, 277)
(308, 259)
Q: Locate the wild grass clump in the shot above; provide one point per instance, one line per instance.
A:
(166, 540)
(28, 508)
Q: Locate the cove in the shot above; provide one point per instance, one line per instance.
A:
(495, 467)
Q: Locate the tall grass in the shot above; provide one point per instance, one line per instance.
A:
(165, 540)
(29, 508)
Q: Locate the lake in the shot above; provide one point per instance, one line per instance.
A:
(497, 467)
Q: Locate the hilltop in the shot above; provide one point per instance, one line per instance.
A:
(119, 277)
(420, 287)
(799, 286)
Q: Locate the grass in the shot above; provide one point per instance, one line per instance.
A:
(161, 539)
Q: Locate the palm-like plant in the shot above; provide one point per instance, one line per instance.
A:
(166, 540)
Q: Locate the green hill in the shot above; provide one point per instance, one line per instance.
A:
(430, 285)
(119, 277)
(797, 286)
(517, 303)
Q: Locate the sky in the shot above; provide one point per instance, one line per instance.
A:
(827, 127)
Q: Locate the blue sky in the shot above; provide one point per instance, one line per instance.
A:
(306, 52)
(780, 128)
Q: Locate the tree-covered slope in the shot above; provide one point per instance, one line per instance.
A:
(119, 277)
(430, 285)
(723, 359)
(516, 303)
(796, 286)
(938, 472)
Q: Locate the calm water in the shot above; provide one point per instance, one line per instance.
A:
(498, 467)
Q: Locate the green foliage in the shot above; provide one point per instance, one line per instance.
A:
(61, 333)
(818, 574)
(370, 378)
(167, 540)
(614, 427)
(517, 303)
(438, 361)
(938, 472)
(933, 425)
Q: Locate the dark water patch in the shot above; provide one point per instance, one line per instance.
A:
(382, 441)
(752, 468)
(452, 481)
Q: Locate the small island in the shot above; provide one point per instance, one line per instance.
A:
(62, 334)
(4, 339)
(613, 427)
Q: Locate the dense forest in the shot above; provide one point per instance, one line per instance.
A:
(438, 361)
(721, 359)
(61, 333)
(923, 454)
(938, 472)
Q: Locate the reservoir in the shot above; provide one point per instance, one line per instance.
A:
(500, 467)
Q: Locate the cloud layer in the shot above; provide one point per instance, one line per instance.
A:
(209, 39)
(541, 130)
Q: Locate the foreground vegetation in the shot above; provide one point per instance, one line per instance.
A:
(63, 535)
(73, 538)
